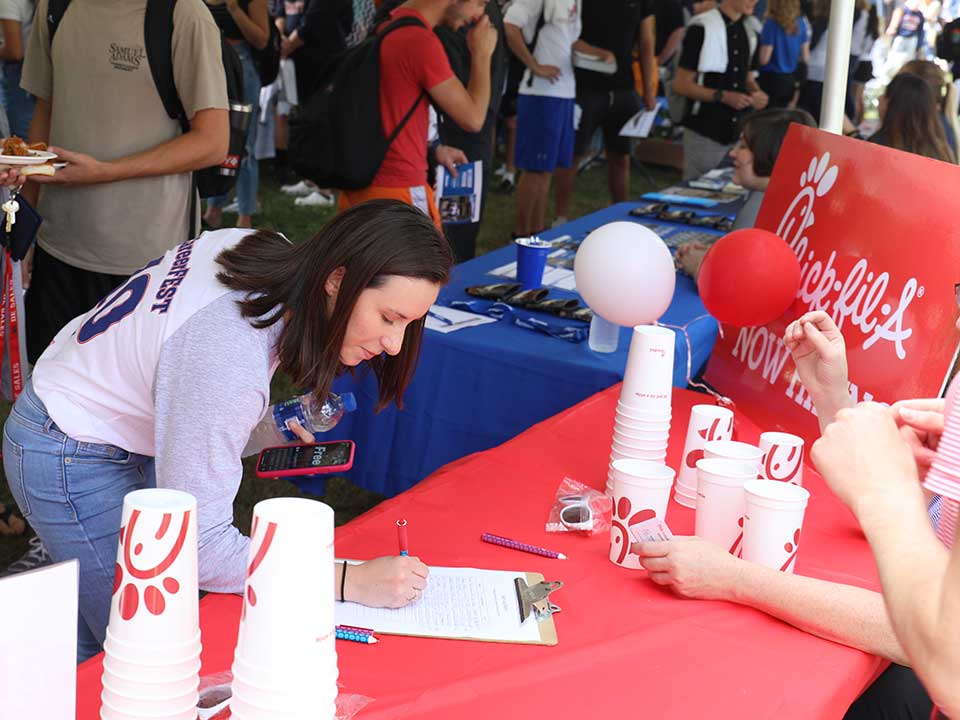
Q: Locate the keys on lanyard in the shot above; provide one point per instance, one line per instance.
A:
(11, 207)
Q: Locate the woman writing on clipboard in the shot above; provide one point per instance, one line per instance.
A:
(162, 382)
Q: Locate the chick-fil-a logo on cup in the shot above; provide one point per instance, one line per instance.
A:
(164, 547)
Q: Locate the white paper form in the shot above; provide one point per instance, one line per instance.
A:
(38, 669)
(457, 603)
(447, 320)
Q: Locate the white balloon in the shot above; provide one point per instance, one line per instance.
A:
(625, 273)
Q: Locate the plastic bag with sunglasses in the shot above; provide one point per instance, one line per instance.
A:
(578, 508)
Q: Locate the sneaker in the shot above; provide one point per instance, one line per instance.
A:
(34, 558)
(299, 189)
(231, 208)
(500, 171)
(316, 199)
(508, 182)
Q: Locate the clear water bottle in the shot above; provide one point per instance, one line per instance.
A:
(316, 417)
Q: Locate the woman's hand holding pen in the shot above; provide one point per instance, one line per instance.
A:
(390, 582)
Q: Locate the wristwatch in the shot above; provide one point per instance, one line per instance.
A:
(718, 95)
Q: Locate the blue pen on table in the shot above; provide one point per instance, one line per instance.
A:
(440, 318)
(355, 635)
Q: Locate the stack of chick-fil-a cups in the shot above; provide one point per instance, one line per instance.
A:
(638, 479)
(151, 667)
(285, 663)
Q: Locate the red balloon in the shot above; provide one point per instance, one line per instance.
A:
(749, 277)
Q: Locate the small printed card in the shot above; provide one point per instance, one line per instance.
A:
(458, 198)
(652, 530)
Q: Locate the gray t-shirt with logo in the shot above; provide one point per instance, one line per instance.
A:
(104, 103)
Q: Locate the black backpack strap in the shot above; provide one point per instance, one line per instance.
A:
(158, 38)
(55, 12)
(396, 25)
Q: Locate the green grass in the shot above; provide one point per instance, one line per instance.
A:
(277, 212)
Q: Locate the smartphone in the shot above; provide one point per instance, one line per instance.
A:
(306, 459)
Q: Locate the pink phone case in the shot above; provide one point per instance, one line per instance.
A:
(296, 472)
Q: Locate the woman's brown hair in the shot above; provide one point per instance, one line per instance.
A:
(912, 120)
(371, 241)
(764, 133)
(785, 14)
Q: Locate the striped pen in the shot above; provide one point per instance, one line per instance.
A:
(355, 634)
(507, 542)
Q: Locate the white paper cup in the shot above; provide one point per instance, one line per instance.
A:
(243, 710)
(155, 598)
(273, 679)
(707, 422)
(721, 501)
(141, 672)
(160, 654)
(782, 457)
(286, 701)
(733, 450)
(107, 712)
(126, 688)
(685, 501)
(774, 517)
(656, 456)
(648, 378)
(637, 444)
(627, 434)
(641, 490)
(287, 618)
(151, 707)
(640, 415)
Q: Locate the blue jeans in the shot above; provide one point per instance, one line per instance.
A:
(249, 177)
(16, 101)
(72, 495)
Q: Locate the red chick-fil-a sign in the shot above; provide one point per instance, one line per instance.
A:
(876, 234)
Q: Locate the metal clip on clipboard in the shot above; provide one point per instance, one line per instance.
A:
(534, 598)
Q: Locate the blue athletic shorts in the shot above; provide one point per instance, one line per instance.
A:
(544, 133)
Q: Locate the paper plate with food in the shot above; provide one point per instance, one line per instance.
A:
(29, 159)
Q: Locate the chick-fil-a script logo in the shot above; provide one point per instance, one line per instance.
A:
(859, 296)
(153, 597)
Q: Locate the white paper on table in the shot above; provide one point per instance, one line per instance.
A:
(558, 277)
(640, 125)
(459, 319)
(458, 603)
(38, 666)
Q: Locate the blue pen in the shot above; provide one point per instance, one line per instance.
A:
(437, 316)
(355, 637)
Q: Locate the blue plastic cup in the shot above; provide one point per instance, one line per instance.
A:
(531, 260)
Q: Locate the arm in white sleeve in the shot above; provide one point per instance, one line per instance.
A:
(212, 386)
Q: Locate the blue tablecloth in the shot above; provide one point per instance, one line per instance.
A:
(478, 387)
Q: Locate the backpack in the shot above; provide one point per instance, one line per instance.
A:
(948, 42)
(158, 38)
(267, 59)
(336, 137)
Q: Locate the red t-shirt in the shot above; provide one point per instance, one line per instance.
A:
(412, 60)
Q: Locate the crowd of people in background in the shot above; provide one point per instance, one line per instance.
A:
(552, 80)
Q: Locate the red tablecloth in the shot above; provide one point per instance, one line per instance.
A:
(625, 644)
